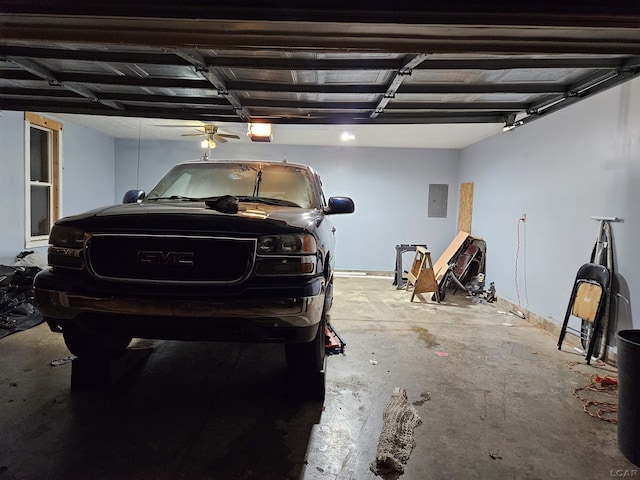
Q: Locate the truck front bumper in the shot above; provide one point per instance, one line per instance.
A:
(248, 316)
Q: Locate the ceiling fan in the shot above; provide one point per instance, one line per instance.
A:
(210, 132)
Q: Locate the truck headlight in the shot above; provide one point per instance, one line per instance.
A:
(66, 248)
(293, 254)
(66, 237)
(287, 244)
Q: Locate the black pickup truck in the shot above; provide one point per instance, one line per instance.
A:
(218, 250)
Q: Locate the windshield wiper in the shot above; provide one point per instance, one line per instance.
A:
(182, 198)
(268, 201)
(248, 198)
(256, 186)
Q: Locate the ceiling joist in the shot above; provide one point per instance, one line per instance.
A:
(51, 78)
(398, 78)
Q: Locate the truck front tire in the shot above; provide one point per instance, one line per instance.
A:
(308, 357)
(89, 344)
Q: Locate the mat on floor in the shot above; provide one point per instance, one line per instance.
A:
(396, 441)
(17, 323)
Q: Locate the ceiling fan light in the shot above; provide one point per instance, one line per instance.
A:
(347, 136)
(208, 143)
(259, 132)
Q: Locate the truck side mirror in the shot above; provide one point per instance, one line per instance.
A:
(133, 196)
(340, 205)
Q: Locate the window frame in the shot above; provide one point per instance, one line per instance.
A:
(54, 129)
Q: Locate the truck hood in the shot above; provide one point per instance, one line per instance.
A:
(194, 217)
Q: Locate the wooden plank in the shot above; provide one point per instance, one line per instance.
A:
(440, 267)
(466, 207)
(426, 283)
(42, 121)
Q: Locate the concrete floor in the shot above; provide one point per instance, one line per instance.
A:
(500, 406)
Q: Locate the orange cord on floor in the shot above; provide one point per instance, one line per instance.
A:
(607, 385)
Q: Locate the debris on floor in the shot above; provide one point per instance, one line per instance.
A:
(424, 397)
(396, 439)
(17, 306)
(62, 361)
(496, 455)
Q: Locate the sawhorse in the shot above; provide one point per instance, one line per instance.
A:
(422, 277)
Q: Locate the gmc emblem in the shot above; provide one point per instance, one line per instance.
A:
(156, 257)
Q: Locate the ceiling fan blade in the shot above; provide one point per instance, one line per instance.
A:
(227, 135)
(180, 126)
(219, 139)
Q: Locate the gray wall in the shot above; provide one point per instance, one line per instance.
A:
(390, 188)
(89, 171)
(88, 177)
(579, 162)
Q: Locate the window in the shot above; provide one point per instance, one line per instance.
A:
(42, 173)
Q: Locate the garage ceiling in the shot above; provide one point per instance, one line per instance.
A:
(350, 63)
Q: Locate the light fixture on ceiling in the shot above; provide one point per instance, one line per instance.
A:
(511, 121)
(208, 143)
(508, 128)
(347, 136)
(259, 132)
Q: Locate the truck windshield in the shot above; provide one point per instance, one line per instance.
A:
(248, 181)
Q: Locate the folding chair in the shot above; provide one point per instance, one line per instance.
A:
(587, 301)
(466, 265)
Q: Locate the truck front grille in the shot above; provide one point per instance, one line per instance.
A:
(170, 259)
